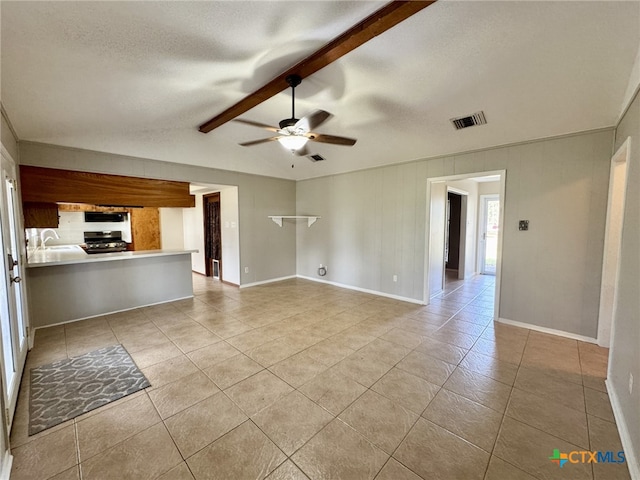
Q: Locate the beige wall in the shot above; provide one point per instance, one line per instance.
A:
(268, 251)
(373, 227)
(625, 337)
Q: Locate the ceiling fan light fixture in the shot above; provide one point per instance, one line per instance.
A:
(293, 142)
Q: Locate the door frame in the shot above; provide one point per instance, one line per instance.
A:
(208, 267)
(482, 246)
(503, 177)
(613, 243)
(8, 166)
(462, 253)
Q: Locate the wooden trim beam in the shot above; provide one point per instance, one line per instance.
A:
(51, 185)
(379, 22)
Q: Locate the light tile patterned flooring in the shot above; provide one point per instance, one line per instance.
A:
(298, 380)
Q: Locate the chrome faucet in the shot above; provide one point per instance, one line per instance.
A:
(44, 237)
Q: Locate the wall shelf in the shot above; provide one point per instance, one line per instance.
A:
(311, 219)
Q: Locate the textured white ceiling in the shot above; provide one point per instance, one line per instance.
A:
(137, 78)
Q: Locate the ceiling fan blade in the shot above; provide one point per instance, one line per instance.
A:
(313, 120)
(257, 142)
(256, 124)
(322, 138)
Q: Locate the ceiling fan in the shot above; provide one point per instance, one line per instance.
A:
(294, 133)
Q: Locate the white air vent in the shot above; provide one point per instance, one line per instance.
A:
(316, 158)
(477, 118)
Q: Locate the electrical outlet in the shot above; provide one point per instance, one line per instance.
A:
(395, 278)
(630, 383)
(246, 269)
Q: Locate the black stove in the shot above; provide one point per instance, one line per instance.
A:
(104, 242)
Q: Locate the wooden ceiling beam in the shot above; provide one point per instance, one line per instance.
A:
(379, 22)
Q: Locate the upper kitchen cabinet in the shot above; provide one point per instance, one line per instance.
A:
(50, 185)
(40, 215)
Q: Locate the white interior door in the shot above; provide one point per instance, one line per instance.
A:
(438, 222)
(12, 306)
(490, 229)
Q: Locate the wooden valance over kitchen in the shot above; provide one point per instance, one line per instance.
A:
(52, 185)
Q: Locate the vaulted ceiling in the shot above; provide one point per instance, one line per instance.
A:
(138, 78)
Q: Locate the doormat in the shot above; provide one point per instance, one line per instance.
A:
(68, 388)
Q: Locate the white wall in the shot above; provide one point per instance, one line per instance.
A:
(488, 188)
(373, 226)
(193, 225)
(171, 229)
(230, 235)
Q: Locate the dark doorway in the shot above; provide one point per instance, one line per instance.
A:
(212, 236)
(454, 214)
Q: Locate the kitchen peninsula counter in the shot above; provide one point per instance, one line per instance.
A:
(67, 284)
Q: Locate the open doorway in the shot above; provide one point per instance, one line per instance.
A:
(212, 235)
(439, 231)
(612, 243)
(489, 226)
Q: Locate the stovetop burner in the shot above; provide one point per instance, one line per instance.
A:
(104, 242)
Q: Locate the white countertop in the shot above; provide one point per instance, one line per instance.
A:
(73, 254)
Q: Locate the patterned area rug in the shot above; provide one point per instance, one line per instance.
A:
(65, 389)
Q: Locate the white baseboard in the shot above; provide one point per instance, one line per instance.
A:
(633, 462)
(551, 331)
(364, 290)
(264, 282)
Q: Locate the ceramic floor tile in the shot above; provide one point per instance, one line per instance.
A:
(443, 351)
(551, 387)
(156, 354)
(530, 450)
(385, 351)
(503, 350)
(362, 368)
(291, 421)
(201, 424)
(456, 458)
(394, 470)
(146, 455)
(233, 370)
(467, 419)
(407, 390)
(176, 396)
(333, 391)
(427, 367)
(339, 452)
(298, 369)
(480, 389)
(549, 416)
(181, 472)
(287, 471)
(490, 367)
(598, 404)
(329, 353)
(111, 426)
(245, 452)
(258, 392)
(46, 456)
(604, 437)
(380, 420)
(168, 371)
(501, 470)
(210, 355)
(402, 337)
